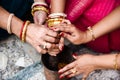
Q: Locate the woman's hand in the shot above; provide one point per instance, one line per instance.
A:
(73, 34)
(84, 64)
(58, 48)
(42, 38)
(40, 17)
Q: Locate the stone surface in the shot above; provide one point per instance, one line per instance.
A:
(14, 49)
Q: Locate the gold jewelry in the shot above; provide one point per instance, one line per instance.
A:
(92, 33)
(43, 46)
(74, 71)
(39, 8)
(53, 21)
(9, 23)
(24, 30)
(116, 64)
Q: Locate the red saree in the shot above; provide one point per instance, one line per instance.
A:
(84, 13)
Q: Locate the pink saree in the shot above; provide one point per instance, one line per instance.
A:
(84, 13)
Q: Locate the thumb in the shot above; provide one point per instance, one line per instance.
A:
(85, 76)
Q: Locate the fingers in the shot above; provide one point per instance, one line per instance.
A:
(69, 73)
(53, 52)
(86, 74)
(63, 28)
(52, 33)
(51, 39)
(66, 35)
(61, 44)
(40, 50)
(67, 67)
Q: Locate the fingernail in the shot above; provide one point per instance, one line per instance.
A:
(59, 72)
(60, 77)
(68, 76)
(55, 29)
(74, 54)
(62, 34)
(61, 48)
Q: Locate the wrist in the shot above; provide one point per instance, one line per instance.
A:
(16, 25)
(101, 62)
(86, 37)
(90, 36)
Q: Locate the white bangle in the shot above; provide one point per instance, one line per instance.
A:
(54, 15)
(9, 23)
(38, 3)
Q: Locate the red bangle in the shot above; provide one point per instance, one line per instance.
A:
(22, 30)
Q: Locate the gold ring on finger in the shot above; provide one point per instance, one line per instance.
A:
(74, 71)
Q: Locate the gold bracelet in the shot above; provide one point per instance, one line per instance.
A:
(115, 64)
(9, 23)
(39, 8)
(24, 30)
(92, 33)
(55, 21)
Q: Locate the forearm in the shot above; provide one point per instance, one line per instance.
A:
(107, 61)
(39, 0)
(15, 22)
(57, 6)
(108, 24)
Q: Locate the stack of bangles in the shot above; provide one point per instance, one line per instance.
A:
(23, 30)
(55, 18)
(39, 6)
(116, 67)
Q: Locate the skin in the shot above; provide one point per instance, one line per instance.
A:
(106, 25)
(57, 6)
(84, 64)
(39, 16)
(33, 34)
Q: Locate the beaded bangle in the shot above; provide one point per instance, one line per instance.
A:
(92, 33)
(24, 30)
(116, 64)
(9, 23)
(54, 15)
(39, 8)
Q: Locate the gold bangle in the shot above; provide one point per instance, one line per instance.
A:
(52, 22)
(116, 64)
(24, 30)
(39, 8)
(55, 19)
(92, 33)
(9, 23)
